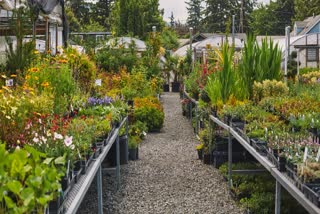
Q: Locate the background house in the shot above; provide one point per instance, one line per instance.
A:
(48, 28)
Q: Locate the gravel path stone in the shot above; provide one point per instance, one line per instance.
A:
(168, 177)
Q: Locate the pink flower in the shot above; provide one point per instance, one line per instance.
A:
(57, 136)
(68, 141)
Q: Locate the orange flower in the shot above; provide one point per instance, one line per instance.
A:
(63, 61)
(45, 84)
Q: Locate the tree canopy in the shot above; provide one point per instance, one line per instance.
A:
(136, 18)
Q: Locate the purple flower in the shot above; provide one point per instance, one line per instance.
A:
(92, 101)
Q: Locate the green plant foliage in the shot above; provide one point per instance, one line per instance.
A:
(29, 180)
(20, 57)
(149, 111)
(53, 79)
(151, 116)
(136, 18)
(258, 64)
(114, 58)
(169, 39)
(83, 69)
(133, 142)
(223, 84)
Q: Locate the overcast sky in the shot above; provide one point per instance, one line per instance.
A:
(178, 7)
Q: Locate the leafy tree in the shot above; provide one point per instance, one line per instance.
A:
(284, 14)
(136, 17)
(172, 22)
(20, 57)
(80, 9)
(74, 24)
(263, 20)
(195, 10)
(219, 12)
(273, 18)
(102, 11)
(304, 9)
(169, 39)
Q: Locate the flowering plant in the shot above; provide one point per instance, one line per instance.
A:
(92, 101)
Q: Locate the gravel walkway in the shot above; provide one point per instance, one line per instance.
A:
(168, 178)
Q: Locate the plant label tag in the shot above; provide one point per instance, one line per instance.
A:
(9, 82)
(318, 155)
(98, 82)
(305, 154)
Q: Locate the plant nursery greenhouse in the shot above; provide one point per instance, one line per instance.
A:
(133, 106)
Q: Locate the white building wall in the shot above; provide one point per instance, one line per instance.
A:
(53, 40)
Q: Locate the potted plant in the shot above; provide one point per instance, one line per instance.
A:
(133, 143)
(204, 139)
(199, 149)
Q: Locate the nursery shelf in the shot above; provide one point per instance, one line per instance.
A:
(281, 179)
(79, 190)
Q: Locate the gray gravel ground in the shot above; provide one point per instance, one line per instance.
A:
(168, 177)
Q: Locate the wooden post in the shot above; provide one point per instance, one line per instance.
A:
(47, 35)
(57, 34)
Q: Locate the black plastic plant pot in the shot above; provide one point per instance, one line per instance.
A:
(201, 124)
(312, 192)
(213, 112)
(131, 103)
(123, 142)
(200, 154)
(55, 205)
(115, 124)
(175, 86)
(206, 158)
(166, 88)
(65, 181)
(77, 166)
(133, 154)
(281, 164)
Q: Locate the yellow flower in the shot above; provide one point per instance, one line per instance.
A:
(6, 88)
(13, 75)
(4, 76)
(45, 84)
(36, 52)
(34, 70)
(1, 91)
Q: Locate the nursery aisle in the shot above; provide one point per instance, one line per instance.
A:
(168, 177)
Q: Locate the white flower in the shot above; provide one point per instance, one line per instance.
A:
(44, 139)
(36, 140)
(57, 136)
(40, 121)
(68, 141)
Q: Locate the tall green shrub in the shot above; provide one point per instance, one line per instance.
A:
(259, 63)
(223, 83)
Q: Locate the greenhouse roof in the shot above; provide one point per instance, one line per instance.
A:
(126, 41)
